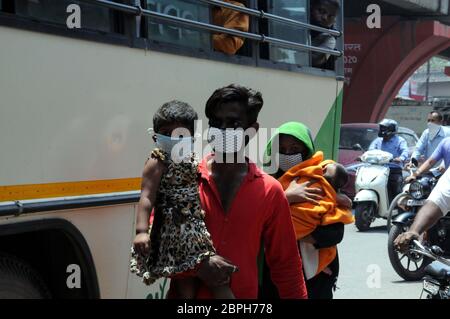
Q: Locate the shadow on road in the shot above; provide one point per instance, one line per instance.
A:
(376, 230)
(405, 282)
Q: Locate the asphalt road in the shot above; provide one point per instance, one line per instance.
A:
(365, 270)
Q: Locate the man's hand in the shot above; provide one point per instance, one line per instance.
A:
(402, 242)
(397, 160)
(409, 165)
(216, 271)
(441, 169)
(410, 179)
(299, 193)
(141, 243)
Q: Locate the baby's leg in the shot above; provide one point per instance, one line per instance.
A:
(185, 288)
(222, 292)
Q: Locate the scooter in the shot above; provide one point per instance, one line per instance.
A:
(371, 200)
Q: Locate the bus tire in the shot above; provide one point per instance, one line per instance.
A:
(18, 280)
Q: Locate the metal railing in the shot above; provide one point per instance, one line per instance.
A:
(264, 15)
(139, 11)
(20, 207)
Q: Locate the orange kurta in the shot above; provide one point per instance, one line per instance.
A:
(306, 216)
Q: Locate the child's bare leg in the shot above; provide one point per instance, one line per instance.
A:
(222, 292)
(185, 288)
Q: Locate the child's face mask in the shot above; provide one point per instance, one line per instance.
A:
(226, 141)
(177, 147)
(286, 161)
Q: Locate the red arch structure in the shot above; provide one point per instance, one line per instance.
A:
(379, 61)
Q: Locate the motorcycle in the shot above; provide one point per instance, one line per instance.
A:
(412, 266)
(436, 284)
(371, 200)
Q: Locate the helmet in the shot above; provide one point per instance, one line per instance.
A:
(388, 128)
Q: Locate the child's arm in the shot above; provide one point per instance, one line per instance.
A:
(151, 178)
(343, 201)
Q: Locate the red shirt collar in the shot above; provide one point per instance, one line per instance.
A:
(253, 170)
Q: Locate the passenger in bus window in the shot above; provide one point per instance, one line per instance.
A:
(177, 241)
(230, 19)
(319, 212)
(323, 14)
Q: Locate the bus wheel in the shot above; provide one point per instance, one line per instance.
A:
(18, 280)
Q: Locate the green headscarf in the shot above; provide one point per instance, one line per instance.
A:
(297, 130)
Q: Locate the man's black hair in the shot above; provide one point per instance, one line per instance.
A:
(246, 97)
(334, 3)
(439, 115)
(175, 112)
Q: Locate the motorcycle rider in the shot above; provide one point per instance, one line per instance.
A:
(430, 138)
(389, 142)
(441, 153)
(437, 206)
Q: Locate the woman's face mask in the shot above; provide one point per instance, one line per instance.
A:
(178, 148)
(226, 141)
(286, 161)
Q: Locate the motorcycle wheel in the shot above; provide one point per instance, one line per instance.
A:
(406, 265)
(364, 215)
(394, 207)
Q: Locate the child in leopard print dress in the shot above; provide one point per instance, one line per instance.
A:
(177, 241)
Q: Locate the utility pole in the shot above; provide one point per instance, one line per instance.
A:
(427, 85)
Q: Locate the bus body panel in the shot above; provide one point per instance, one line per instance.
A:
(75, 110)
(108, 232)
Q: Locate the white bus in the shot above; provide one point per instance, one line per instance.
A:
(77, 95)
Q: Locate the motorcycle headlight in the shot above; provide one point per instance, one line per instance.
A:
(416, 190)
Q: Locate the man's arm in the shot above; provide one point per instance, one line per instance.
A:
(282, 255)
(437, 205)
(428, 215)
(403, 150)
(420, 146)
(374, 145)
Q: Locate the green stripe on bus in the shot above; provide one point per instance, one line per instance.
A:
(329, 131)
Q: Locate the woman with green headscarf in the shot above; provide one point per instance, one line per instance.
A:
(293, 144)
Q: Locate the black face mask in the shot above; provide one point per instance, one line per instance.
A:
(385, 133)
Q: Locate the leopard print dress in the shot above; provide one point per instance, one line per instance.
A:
(179, 240)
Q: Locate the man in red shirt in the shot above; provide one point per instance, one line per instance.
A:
(243, 205)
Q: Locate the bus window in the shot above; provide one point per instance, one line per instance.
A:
(292, 9)
(92, 17)
(173, 34)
